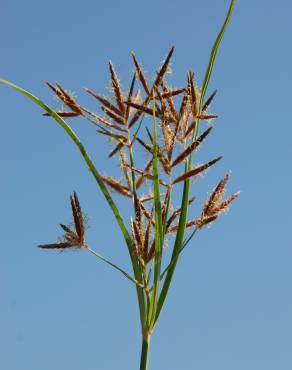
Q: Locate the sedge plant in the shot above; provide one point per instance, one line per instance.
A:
(166, 123)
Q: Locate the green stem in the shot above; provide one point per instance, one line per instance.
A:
(145, 353)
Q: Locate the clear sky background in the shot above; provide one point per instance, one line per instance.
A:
(230, 305)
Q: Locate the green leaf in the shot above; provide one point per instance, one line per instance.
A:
(181, 249)
(214, 52)
(176, 249)
(158, 227)
(116, 267)
(95, 173)
(185, 198)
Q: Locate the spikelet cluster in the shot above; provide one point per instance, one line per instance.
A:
(178, 112)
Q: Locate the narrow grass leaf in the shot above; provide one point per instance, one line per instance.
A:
(185, 197)
(128, 276)
(96, 175)
(158, 227)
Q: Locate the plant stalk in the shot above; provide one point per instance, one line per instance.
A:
(145, 351)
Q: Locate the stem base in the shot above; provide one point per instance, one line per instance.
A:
(145, 353)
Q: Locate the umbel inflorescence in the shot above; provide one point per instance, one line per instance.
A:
(167, 124)
(172, 139)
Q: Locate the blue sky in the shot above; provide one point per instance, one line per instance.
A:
(230, 305)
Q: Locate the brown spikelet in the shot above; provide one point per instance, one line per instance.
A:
(222, 206)
(103, 121)
(189, 130)
(191, 127)
(178, 126)
(105, 102)
(140, 74)
(205, 221)
(147, 99)
(137, 115)
(185, 110)
(120, 138)
(170, 93)
(136, 100)
(209, 101)
(65, 98)
(191, 147)
(146, 175)
(125, 168)
(191, 223)
(138, 214)
(183, 124)
(117, 88)
(147, 214)
(56, 91)
(67, 229)
(146, 242)
(193, 94)
(163, 69)
(184, 102)
(188, 224)
(165, 204)
(216, 194)
(72, 238)
(137, 236)
(173, 216)
(207, 116)
(196, 170)
(61, 245)
(129, 98)
(142, 177)
(118, 119)
(164, 111)
(64, 114)
(214, 206)
(141, 172)
(140, 107)
(116, 149)
(168, 136)
(70, 235)
(134, 236)
(78, 218)
(165, 163)
(115, 185)
(68, 100)
(146, 198)
(68, 114)
(139, 112)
